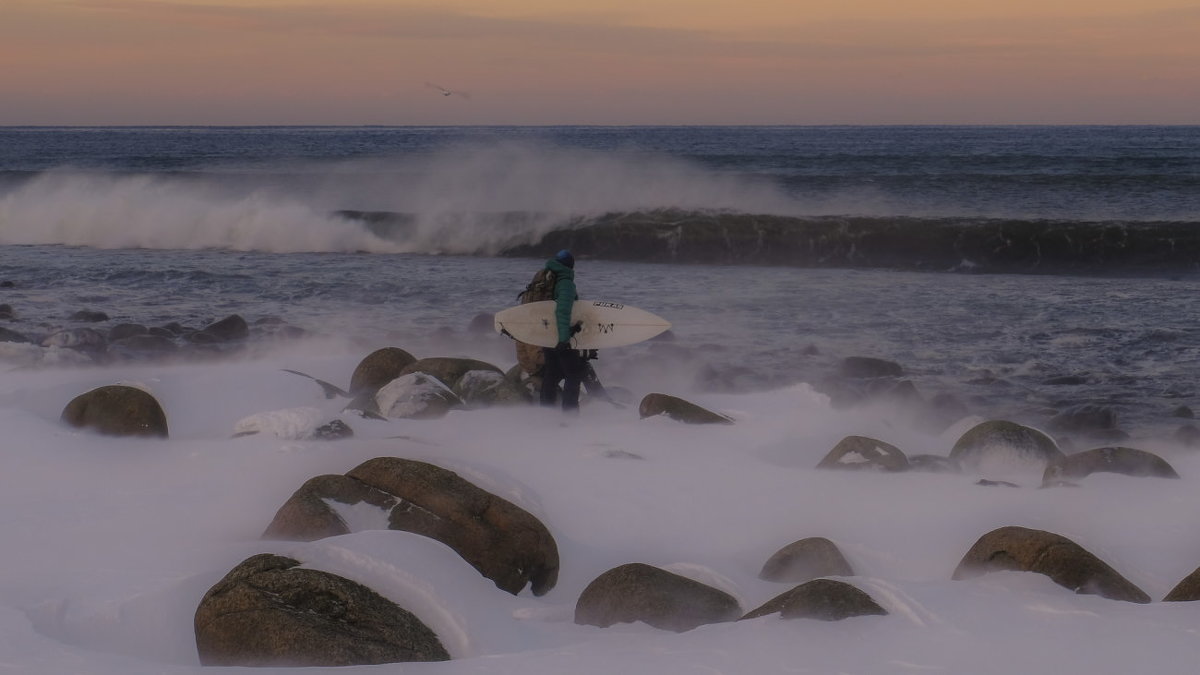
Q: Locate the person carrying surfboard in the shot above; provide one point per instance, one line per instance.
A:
(562, 363)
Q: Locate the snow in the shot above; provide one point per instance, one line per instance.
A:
(109, 543)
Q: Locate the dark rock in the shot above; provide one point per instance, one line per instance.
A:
(307, 515)
(1065, 380)
(1085, 418)
(860, 452)
(333, 430)
(117, 410)
(378, 368)
(1127, 461)
(868, 367)
(503, 541)
(144, 344)
(229, 329)
(1004, 443)
(6, 311)
(1187, 590)
(124, 330)
(1068, 564)
(985, 482)
(932, 464)
(804, 560)
(1184, 412)
(89, 316)
(639, 592)
(679, 410)
(7, 284)
(269, 612)
(7, 335)
(482, 323)
(80, 339)
(482, 388)
(824, 599)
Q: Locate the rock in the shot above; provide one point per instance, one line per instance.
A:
(6, 311)
(7, 335)
(229, 329)
(124, 330)
(932, 464)
(1127, 461)
(448, 369)
(1187, 435)
(89, 316)
(1187, 590)
(640, 592)
(378, 368)
(1183, 412)
(500, 539)
(142, 345)
(81, 339)
(482, 388)
(824, 599)
(482, 323)
(804, 560)
(269, 612)
(984, 482)
(868, 367)
(1068, 564)
(334, 430)
(415, 396)
(860, 452)
(1005, 445)
(678, 410)
(308, 516)
(1084, 418)
(1065, 380)
(117, 410)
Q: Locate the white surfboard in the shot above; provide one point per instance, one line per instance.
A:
(601, 324)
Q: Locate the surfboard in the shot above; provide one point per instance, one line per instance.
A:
(601, 324)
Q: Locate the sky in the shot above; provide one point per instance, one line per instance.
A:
(613, 62)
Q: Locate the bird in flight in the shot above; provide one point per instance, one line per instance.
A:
(446, 92)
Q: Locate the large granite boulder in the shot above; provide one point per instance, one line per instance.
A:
(269, 612)
(230, 329)
(117, 410)
(483, 388)
(824, 599)
(999, 444)
(448, 369)
(1187, 590)
(415, 396)
(503, 541)
(1068, 564)
(678, 410)
(861, 452)
(378, 368)
(640, 592)
(1127, 461)
(804, 560)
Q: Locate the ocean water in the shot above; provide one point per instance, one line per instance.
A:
(404, 235)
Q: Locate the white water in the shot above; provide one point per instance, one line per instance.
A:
(110, 543)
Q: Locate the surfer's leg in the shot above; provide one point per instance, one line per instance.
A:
(574, 369)
(551, 374)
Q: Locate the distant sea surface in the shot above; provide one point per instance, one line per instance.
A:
(1023, 270)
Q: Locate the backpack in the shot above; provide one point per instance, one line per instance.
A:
(541, 287)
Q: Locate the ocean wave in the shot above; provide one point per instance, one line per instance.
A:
(912, 243)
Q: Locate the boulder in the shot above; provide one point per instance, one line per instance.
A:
(482, 388)
(482, 323)
(868, 367)
(269, 612)
(1068, 564)
(804, 560)
(142, 345)
(1085, 418)
(82, 339)
(229, 329)
(932, 464)
(7, 335)
(6, 312)
(307, 515)
(860, 452)
(1187, 590)
(333, 430)
(1002, 444)
(1127, 461)
(503, 541)
(678, 410)
(117, 410)
(124, 330)
(89, 316)
(378, 368)
(824, 599)
(640, 592)
(448, 369)
(415, 396)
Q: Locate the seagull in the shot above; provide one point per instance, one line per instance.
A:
(445, 91)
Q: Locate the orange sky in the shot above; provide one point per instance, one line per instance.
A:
(599, 61)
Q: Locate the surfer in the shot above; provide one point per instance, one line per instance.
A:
(562, 362)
